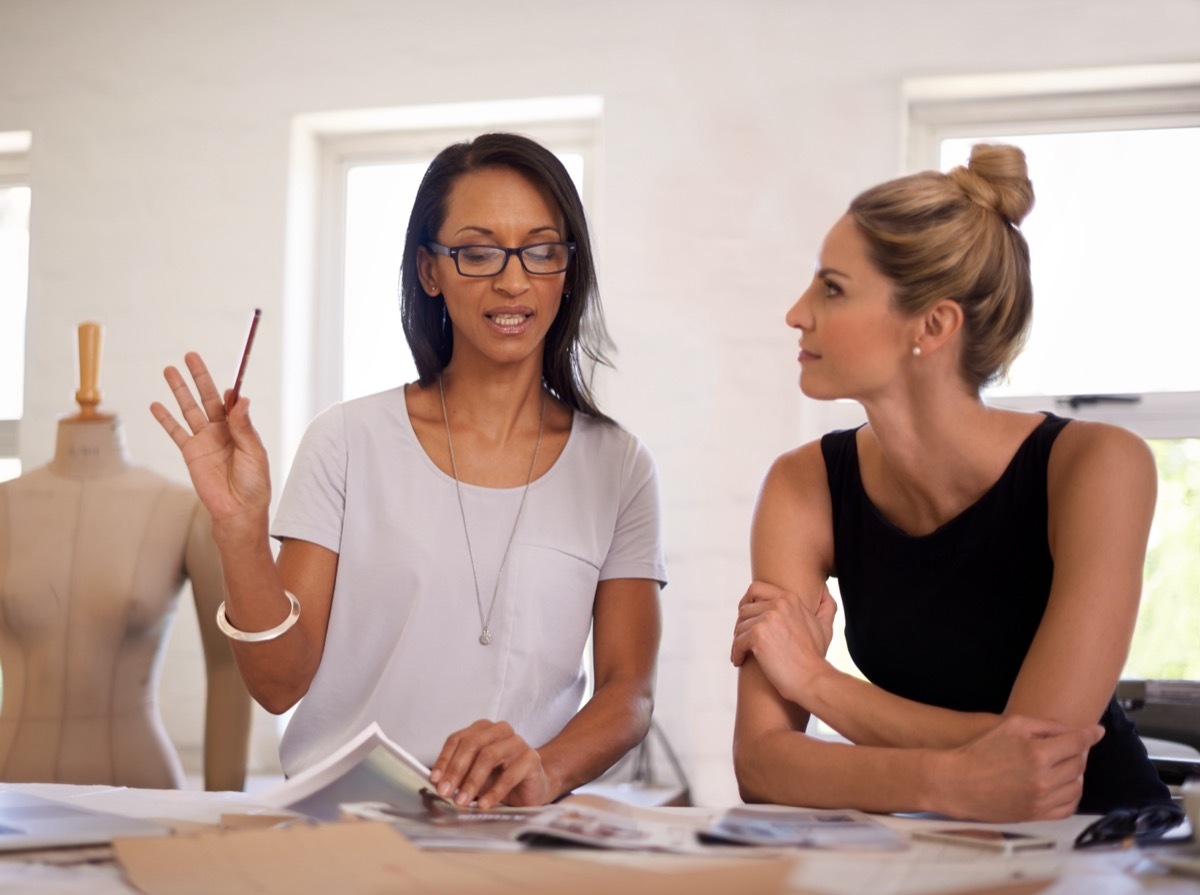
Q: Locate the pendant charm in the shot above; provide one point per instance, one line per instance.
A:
(485, 638)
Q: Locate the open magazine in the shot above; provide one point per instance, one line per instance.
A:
(374, 778)
(577, 820)
(369, 767)
(779, 825)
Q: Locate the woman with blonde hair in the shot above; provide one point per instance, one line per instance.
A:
(990, 561)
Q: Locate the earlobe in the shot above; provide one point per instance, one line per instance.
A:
(425, 273)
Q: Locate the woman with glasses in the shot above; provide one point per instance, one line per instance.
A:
(446, 546)
(989, 561)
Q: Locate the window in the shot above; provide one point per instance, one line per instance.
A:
(354, 176)
(1113, 237)
(15, 200)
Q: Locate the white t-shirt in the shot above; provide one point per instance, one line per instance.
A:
(403, 644)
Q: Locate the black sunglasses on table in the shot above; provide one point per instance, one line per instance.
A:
(1131, 826)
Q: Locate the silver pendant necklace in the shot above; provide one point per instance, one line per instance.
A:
(485, 635)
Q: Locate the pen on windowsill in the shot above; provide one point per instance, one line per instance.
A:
(237, 382)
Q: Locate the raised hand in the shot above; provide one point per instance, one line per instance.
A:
(487, 763)
(224, 455)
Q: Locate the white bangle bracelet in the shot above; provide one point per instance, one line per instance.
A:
(233, 633)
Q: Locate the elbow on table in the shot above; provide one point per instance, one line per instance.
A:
(750, 794)
(752, 772)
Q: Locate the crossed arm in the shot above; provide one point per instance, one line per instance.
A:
(1023, 764)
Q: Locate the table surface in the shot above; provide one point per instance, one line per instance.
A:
(923, 868)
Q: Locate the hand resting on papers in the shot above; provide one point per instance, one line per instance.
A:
(487, 763)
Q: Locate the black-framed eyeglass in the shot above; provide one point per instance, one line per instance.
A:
(1131, 825)
(540, 259)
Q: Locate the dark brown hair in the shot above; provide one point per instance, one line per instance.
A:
(577, 339)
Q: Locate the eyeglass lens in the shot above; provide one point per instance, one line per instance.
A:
(487, 261)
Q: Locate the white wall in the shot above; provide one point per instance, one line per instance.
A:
(734, 132)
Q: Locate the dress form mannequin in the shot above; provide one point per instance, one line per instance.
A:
(93, 555)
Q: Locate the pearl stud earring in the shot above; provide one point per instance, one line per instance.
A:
(916, 350)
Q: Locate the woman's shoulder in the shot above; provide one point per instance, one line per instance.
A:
(814, 457)
(793, 508)
(373, 404)
(1087, 441)
(797, 471)
(606, 450)
(369, 410)
(334, 431)
(598, 433)
(1096, 456)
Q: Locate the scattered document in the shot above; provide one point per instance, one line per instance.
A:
(780, 826)
(584, 824)
(570, 822)
(442, 824)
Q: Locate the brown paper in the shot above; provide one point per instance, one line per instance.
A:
(374, 858)
(1022, 888)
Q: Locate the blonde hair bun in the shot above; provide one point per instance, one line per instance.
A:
(954, 235)
(998, 179)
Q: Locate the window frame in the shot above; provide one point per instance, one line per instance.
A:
(14, 171)
(1124, 98)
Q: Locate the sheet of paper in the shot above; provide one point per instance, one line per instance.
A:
(595, 827)
(775, 825)
(926, 869)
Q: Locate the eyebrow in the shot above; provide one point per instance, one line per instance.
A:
(484, 231)
(831, 271)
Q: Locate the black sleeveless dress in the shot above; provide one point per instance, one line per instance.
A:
(947, 618)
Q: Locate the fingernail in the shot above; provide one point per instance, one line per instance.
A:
(461, 798)
(444, 788)
(435, 776)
